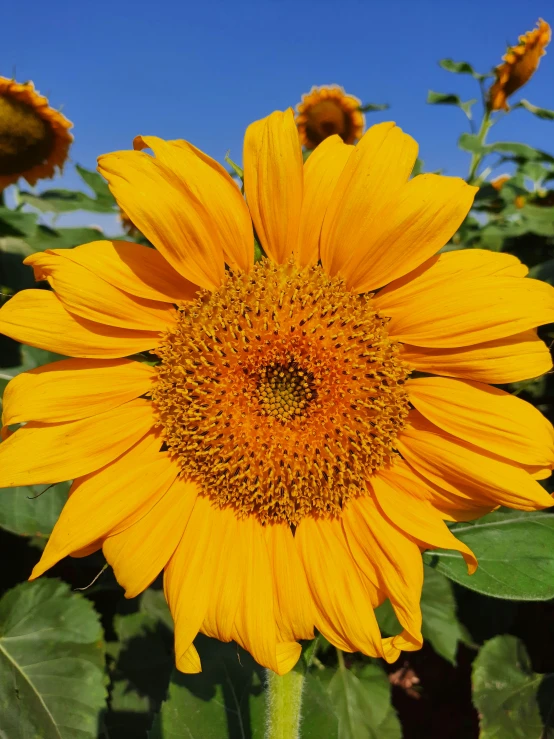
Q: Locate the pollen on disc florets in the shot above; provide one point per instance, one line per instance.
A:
(280, 393)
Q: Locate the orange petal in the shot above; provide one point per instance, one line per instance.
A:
(136, 269)
(376, 170)
(38, 318)
(487, 417)
(210, 185)
(73, 389)
(273, 182)
(344, 606)
(460, 468)
(401, 495)
(110, 500)
(46, 453)
(84, 294)
(385, 553)
(169, 212)
(510, 359)
(321, 173)
(139, 553)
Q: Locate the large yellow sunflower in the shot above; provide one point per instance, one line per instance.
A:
(281, 462)
(328, 110)
(519, 64)
(34, 138)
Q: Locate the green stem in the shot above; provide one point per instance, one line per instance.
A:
(477, 156)
(283, 704)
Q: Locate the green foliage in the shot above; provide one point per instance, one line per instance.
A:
(52, 682)
(441, 98)
(547, 115)
(512, 700)
(515, 550)
(461, 68)
(373, 107)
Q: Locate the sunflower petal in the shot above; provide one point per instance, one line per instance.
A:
(321, 173)
(273, 182)
(73, 389)
(136, 269)
(109, 500)
(38, 318)
(218, 194)
(169, 211)
(376, 170)
(47, 453)
(459, 467)
(139, 553)
(487, 417)
(510, 359)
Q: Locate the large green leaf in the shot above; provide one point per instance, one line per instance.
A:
(33, 510)
(515, 550)
(63, 238)
(66, 201)
(440, 624)
(519, 151)
(224, 701)
(97, 184)
(543, 271)
(17, 223)
(52, 681)
(362, 704)
(505, 691)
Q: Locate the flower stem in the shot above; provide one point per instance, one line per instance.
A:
(284, 700)
(477, 156)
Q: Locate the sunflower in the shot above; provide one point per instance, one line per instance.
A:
(520, 63)
(34, 138)
(328, 110)
(308, 422)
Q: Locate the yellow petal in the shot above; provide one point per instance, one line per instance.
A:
(273, 182)
(469, 311)
(73, 389)
(460, 468)
(139, 553)
(84, 294)
(189, 576)
(44, 453)
(214, 190)
(110, 500)
(321, 173)
(134, 268)
(38, 318)
(375, 172)
(383, 551)
(344, 607)
(519, 357)
(402, 497)
(294, 610)
(487, 417)
(169, 212)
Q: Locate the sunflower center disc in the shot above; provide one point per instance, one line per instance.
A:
(26, 140)
(280, 393)
(325, 119)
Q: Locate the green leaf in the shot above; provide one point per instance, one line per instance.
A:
(63, 238)
(65, 201)
(217, 703)
(543, 271)
(519, 151)
(440, 627)
(505, 691)
(418, 167)
(470, 142)
(362, 704)
(515, 550)
(461, 68)
(547, 115)
(51, 663)
(97, 184)
(33, 510)
(17, 223)
(373, 107)
(441, 98)
(319, 720)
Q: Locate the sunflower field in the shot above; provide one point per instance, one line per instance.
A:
(276, 449)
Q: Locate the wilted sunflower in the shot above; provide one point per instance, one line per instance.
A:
(34, 138)
(328, 110)
(520, 63)
(280, 462)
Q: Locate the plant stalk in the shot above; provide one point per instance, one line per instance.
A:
(477, 156)
(283, 704)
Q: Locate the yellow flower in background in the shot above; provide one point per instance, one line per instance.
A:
(520, 63)
(34, 138)
(281, 462)
(500, 181)
(326, 111)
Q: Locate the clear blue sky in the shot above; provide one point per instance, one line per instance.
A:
(203, 71)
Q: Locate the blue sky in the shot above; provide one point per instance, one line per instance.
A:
(204, 71)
